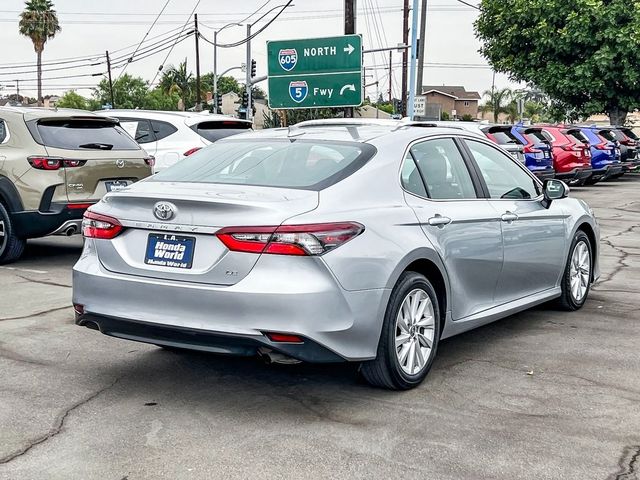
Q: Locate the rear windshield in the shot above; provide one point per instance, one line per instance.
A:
(577, 135)
(504, 137)
(214, 131)
(84, 135)
(630, 133)
(611, 135)
(535, 136)
(301, 164)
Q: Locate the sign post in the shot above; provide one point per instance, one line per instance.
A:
(315, 72)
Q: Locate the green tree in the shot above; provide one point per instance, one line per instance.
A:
(585, 54)
(179, 80)
(497, 101)
(72, 99)
(156, 99)
(128, 92)
(39, 22)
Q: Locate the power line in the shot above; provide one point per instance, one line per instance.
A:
(143, 39)
(469, 4)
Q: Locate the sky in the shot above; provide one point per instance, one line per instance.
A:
(91, 27)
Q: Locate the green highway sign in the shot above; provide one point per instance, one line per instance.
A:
(315, 72)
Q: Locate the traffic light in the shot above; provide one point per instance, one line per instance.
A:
(253, 68)
(218, 103)
(245, 98)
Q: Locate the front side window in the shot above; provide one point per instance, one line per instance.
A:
(443, 170)
(503, 176)
(302, 164)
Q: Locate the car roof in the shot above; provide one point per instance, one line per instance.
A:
(30, 113)
(189, 118)
(356, 130)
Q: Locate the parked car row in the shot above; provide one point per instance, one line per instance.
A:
(577, 154)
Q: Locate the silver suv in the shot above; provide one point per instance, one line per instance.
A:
(54, 164)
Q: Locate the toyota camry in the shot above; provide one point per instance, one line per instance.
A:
(333, 241)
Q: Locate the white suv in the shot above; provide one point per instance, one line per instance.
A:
(172, 136)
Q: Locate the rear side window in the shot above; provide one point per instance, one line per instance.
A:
(302, 164)
(162, 129)
(139, 129)
(74, 134)
(214, 131)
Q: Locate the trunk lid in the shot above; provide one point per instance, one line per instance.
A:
(199, 210)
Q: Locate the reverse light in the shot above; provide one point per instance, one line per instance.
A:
(298, 240)
(95, 225)
(191, 151)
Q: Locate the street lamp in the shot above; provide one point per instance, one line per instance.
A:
(215, 61)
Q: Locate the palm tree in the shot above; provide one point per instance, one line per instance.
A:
(497, 102)
(178, 80)
(39, 22)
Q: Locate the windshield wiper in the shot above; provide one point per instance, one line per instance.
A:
(97, 146)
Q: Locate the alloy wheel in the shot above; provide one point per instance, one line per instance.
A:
(415, 329)
(580, 271)
(3, 235)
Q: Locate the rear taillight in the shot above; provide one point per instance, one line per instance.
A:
(150, 160)
(53, 163)
(603, 146)
(283, 337)
(95, 225)
(531, 149)
(628, 142)
(312, 239)
(191, 151)
(572, 148)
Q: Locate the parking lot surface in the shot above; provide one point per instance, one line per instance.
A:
(541, 395)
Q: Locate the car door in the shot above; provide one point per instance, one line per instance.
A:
(463, 228)
(533, 237)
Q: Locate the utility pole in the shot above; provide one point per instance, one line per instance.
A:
(198, 92)
(423, 41)
(349, 28)
(215, 72)
(249, 113)
(390, 75)
(405, 55)
(414, 55)
(113, 102)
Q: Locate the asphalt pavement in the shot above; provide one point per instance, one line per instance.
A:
(540, 395)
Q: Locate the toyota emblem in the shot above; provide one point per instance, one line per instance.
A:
(120, 163)
(164, 210)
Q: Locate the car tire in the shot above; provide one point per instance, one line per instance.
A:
(11, 247)
(398, 366)
(574, 272)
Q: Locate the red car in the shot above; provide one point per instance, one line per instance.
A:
(571, 152)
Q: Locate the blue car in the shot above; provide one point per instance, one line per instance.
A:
(605, 155)
(537, 150)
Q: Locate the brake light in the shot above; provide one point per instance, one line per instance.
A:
(299, 240)
(53, 163)
(191, 151)
(628, 142)
(603, 146)
(283, 337)
(572, 148)
(78, 206)
(531, 149)
(150, 160)
(95, 225)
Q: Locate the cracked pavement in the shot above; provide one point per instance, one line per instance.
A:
(540, 395)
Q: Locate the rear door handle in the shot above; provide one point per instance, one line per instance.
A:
(439, 221)
(509, 217)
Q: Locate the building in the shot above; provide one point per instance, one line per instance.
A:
(456, 101)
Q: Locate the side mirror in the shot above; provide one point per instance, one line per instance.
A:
(553, 190)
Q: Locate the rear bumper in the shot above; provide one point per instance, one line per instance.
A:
(299, 297)
(630, 166)
(39, 224)
(544, 174)
(203, 340)
(606, 172)
(575, 174)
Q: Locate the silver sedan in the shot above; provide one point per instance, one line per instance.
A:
(333, 241)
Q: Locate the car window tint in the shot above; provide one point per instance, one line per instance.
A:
(139, 129)
(548, 136)
(503, 176)
(579, 134)
(214, 131)
(411, 180)
(3, 131)
(275, 163)
(84, 135)
(504, 138)
(535, 136)
(630, 133)
(443, 169)
(162, 129)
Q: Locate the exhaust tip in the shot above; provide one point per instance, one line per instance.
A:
(71, 230)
